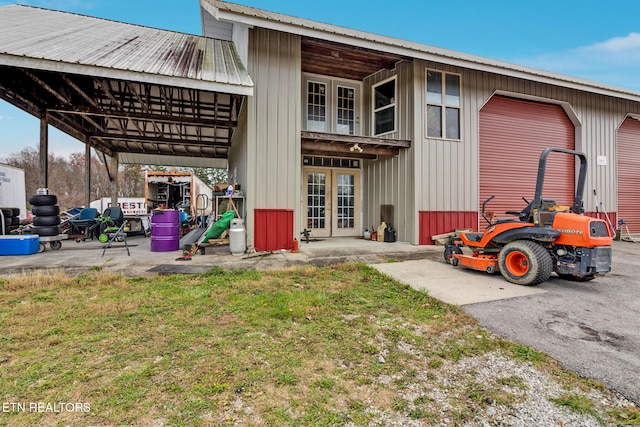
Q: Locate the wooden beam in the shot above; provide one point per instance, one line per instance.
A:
(351, 139)
(323, 148)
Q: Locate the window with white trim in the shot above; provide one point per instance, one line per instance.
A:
(443, 105)
(384, 107)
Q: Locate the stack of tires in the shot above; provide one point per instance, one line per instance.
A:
(46, 215)
(10, 218)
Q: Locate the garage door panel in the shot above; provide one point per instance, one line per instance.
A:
(513, 133)
(628, 172)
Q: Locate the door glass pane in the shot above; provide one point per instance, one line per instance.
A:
(346, 196)
(346, 111)
(316, 188)
(316, 107)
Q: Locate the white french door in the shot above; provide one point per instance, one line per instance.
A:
(332, 198)
(331, 105)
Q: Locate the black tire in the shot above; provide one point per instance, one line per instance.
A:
(15, 220)
(47, 220)
(43, 199)
(46, 231)
(55, 245)
(7, 221)
(7, 212)
(46, 210)
(16, 212)
(526, 263)
(575, 278)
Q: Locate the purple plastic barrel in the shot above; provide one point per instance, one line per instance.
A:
(165, 230)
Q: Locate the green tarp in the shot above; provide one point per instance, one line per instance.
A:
(218, 227)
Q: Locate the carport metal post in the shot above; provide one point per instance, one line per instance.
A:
(44, 151)
(87, 175)
(114, 178)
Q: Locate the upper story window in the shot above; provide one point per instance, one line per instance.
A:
(384, 107)
(443, 105)
(332, 105)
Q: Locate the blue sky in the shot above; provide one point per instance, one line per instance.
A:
(584, 38)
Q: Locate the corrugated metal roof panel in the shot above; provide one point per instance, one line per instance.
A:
(167, 160)
(252, 16)
(185, 60)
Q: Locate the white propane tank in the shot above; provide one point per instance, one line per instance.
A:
(237, 237)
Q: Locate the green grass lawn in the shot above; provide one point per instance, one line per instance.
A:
(301, 347)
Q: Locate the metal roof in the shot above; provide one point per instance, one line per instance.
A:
(152, 96)
(260, 18)
(31, 37)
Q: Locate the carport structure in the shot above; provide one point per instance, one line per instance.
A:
(136, 94)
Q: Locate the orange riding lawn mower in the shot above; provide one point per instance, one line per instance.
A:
(544, 238)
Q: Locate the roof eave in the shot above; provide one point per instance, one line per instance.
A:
(415, 50)
(114, 73)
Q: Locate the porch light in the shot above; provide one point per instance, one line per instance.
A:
(355, 147)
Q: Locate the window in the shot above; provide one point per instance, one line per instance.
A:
(331, 105)
(384, 107)
(443, 105)
(316, 106)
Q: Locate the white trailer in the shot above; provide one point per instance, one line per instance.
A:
(134, 210)
(131, 206)
(173, 189)
(13, 192)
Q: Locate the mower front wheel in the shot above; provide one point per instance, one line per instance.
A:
(449, 250)
(524, 262)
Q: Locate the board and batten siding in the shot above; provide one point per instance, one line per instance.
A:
(273, 121)
(447, 172)
(389, 180)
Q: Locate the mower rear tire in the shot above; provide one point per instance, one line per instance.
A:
(526, 263)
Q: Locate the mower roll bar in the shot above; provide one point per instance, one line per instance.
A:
(542, 166)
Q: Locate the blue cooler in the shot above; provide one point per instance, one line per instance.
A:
(19, 245)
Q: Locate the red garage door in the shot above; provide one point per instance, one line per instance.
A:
(513, 133)
(628, 167)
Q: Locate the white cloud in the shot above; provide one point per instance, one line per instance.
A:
(615, 61)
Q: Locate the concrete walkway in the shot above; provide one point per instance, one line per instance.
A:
(423, 267)
(77, 257)
(454, 285)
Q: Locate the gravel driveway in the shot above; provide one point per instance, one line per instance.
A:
(591, 328)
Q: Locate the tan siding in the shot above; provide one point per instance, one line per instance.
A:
(390, 180)
(273, 129)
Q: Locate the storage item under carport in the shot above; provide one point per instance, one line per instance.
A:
(19, 245)
(237, 237)
(165, 230)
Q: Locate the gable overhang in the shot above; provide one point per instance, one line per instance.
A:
(253, 17)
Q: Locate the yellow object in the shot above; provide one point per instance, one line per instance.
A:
(381, 229)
